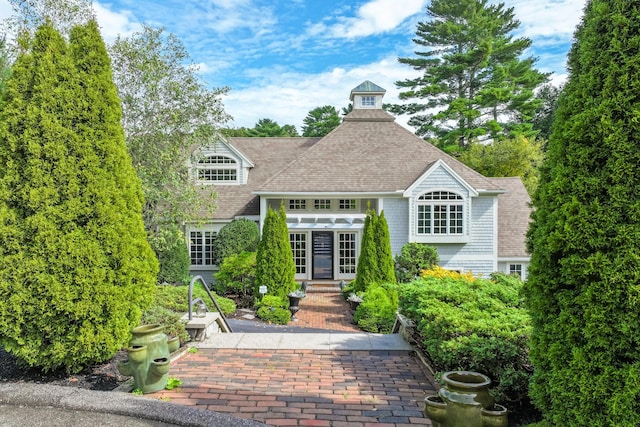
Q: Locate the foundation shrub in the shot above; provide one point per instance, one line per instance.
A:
(474, 324)
(237, 275)
(173, 254)
(413, 258)
(240, 235)
(377, 311)
(273, 309)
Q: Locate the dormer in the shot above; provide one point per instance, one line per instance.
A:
(220, 163)
(367, 96)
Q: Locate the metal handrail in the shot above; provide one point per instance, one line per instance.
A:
(206, 288)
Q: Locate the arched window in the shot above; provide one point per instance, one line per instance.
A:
(439, 213)
(217, 168)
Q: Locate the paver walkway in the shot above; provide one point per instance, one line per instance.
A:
(290, 385)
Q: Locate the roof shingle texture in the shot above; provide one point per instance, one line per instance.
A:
(368, 152)
(514, 210)
(269, 155)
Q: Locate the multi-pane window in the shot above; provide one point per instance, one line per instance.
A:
(368, 101)
(440, 212)
(298, 243)
(297, 204)
(201, 247)
(322, 204)
(515, 269)
(347, 256)
(217, 169)
(347, 204)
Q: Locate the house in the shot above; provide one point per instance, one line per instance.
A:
(326, 184)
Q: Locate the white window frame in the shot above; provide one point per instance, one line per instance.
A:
(202, 247)
(297, 204)
(299, 242)
(347, 253)
(347, 204)
(217, 169)
(516, 268)
(440, 213)
(322, 204)
(368, 101)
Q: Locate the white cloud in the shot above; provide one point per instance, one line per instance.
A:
(5, 10)
(112, 23)
(374, 17)
(548, 19)
(287, 97)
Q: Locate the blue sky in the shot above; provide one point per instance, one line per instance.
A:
(282, 58)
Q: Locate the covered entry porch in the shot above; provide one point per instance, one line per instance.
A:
(325, 248)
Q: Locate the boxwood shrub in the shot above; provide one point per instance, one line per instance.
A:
(474, 324)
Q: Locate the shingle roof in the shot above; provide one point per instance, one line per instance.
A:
(368, 152)
(514, 210)
(269, 155)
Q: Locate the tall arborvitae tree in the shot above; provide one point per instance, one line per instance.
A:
(275, 267)
(76, 271)
(583, 286)
(367, 271)
(385, 256)
(474, 78)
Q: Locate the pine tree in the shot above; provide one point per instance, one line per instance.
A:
(76, 271)
(385, 256)
(582, 290)
(275, 267)
(474, 80)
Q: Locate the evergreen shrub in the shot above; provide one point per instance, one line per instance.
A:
(274, 309)
(476, 325)
(175, 298)
(237, 276)
(173, 255)
(583, 287)
(413, 258)
(240, 235)
(275, 267)
(76, 269)
(377, 311)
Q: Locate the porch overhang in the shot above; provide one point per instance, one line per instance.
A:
(333, 221)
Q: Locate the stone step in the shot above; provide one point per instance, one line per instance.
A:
(322, 287)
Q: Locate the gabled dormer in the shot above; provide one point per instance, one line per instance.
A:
(220, 163)
(367, 96)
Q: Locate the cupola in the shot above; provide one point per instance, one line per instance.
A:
(367, 96)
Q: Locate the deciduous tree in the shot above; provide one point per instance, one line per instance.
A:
(515, 156)
(167, 108)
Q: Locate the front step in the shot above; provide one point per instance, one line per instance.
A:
(324, 286)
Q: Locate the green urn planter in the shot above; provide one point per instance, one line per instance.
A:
(148, 362)
(464, 401)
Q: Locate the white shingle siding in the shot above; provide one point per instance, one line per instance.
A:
(478, 252)
(396, 212)
(438, 180)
